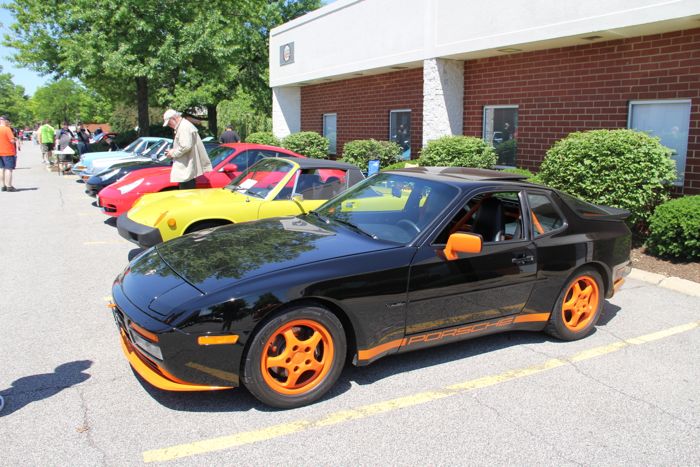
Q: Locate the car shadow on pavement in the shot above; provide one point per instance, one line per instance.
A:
(418, 359)
(233, 400)
(134, 253)
(28, 389)
(111, 221)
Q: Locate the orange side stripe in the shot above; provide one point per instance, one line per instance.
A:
(532, 317)
(617, 284)
(374, 351)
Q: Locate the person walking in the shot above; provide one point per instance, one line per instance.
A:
(229, 136)
(190, 159)
(8, 153)
(46, 140)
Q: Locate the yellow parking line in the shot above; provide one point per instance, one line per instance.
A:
(275, 431)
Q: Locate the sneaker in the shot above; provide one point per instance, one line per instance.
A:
(11, 188)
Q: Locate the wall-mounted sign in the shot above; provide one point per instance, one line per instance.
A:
(287, 54)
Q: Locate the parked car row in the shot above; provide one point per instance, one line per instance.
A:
(279, 268)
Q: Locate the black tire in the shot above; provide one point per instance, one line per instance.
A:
(314, 366)
(578, 307)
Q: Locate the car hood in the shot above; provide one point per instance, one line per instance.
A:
(87, 158)
(147, 173)
(108, 161)
(152, 205)
(213, 259)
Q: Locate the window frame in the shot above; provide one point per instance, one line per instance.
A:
(483, 128)
(680, 177)
(522, 198)
(332, 149)
(410, 121)
(557, 208)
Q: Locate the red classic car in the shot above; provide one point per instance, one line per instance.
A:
(228, 161)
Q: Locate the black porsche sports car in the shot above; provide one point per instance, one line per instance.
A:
(404, 260)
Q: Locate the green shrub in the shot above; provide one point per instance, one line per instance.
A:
(674, 229)
(307, 143)
(263, 137)
(361, 151)
(519, 171)
(458, 151)
(402, 164)
(622, 168)
(506, 152)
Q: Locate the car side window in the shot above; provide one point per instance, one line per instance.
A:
(545, 217)
(316, 184)
(496, 216)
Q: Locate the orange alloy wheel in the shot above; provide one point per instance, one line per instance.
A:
(297, 357)
(580, 303)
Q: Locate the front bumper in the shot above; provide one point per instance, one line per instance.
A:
(143, 235)
(93, 190)
(154, 374)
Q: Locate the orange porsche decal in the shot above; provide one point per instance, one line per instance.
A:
(434, 336)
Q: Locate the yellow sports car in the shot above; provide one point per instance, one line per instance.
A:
(273, 187)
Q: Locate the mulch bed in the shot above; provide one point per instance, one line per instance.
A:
(666, 267)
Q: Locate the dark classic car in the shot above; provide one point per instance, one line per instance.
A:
(404, 260)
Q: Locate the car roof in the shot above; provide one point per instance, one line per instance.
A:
(309, 163)
(460, 174)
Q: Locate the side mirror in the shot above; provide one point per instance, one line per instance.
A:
(228, 168)
(462, 243)
(298, 198)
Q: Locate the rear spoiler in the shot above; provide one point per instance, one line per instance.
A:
(614, 213)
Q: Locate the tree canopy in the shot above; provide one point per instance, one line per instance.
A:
(13, 102)
(154, 52)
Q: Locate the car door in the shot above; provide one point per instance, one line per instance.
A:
(493, 283)
(282, 204)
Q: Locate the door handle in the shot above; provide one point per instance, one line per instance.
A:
(523, 260)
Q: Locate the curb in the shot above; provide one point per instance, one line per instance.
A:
(673, 283)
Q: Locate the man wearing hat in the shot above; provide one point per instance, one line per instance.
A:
(8, 153)
(190, 159)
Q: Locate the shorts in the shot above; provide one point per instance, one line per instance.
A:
(8, 162)
(46, 147)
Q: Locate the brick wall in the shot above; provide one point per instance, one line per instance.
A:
(587, 87)
(363, 104)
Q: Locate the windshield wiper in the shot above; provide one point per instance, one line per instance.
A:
(355, 228)
(322, 218)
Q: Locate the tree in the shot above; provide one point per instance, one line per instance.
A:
(67, 101)
(13, 103)
(191, 53)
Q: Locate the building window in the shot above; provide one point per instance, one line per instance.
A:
(501, 130)
(329, 125)
(400, 131)
(667, 119)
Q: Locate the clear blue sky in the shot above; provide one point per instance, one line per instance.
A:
(22, 76)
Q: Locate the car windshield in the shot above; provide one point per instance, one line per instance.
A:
(389, 207)
(133, 146)
(263, 177)
(219, 154)
(156, 151)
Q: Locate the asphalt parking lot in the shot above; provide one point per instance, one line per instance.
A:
(627, 395)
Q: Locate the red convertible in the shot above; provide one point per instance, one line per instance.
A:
(228, 161)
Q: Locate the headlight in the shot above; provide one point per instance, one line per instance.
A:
(109, 174)
(130, 186)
